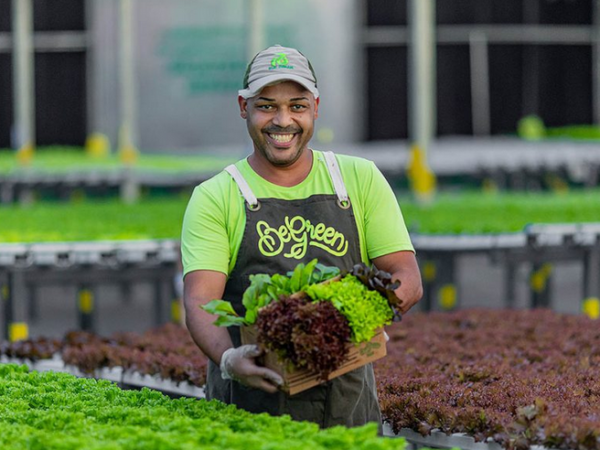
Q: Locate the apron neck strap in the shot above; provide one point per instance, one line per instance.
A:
(336, 177)
(332, 167)
(243, 186)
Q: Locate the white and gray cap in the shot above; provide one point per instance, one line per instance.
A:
(276, 64)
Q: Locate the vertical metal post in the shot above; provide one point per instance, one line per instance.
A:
(32, 302)
(591, 273)
(596, 63)
(127, 84)
(23, 79)
(540, 283)
(480, 84)
(13, 330)
(429, 271)
(128, 134)
(422, 72)
(7, 303)
(159, 289)
(510, 284)
(90, 75)
(85, 307)
(530, 86)
(256, 28)
(447, 292)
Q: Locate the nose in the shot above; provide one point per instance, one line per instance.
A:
(283, 118)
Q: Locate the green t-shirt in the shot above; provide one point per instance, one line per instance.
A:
(215, 217)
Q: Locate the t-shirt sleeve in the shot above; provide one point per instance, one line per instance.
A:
(204, 240)
(385, 230)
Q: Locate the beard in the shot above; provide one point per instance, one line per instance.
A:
(280, 157)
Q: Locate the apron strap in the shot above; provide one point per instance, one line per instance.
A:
(243, 186)
(332, 167)
(336, 177)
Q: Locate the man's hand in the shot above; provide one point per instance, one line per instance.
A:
(403, 267)
(239, 364)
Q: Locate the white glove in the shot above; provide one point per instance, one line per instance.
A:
(239, 364)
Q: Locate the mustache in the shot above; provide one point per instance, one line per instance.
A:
(284, 130)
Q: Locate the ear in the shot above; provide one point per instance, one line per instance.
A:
(243, 106)
(317, 107)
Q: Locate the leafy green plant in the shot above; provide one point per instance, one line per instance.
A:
(160, 218)
(309, 335)
(366, 310)
(501, 212)
(56, 411)
(265, 289)
(63, 159)
(309, 317)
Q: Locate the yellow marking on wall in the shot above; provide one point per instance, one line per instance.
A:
(86, 301)
(97, 145)
(448, 296)
(591, 307)
(25, 154)
(176, 311)
(421, 178)
(539, 278)
(18, 331)
(429, 271)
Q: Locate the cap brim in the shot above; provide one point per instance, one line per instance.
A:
(256, 87)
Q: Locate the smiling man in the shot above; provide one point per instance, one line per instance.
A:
(285, 204)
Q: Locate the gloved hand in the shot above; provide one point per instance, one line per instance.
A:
(239, 364)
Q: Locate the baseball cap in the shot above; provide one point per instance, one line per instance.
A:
(276, 64)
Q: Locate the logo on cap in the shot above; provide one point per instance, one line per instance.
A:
(280, 62)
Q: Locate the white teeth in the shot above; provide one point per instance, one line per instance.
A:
(281, 137)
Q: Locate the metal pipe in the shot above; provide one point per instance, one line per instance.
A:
(422, 70)
(596, 64)
(129, 123)
(385, 36)
(480, 84)
(23, 133)
(90, 73)
(256, 28)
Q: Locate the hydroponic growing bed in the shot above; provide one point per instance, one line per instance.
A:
(506, 378)
(160, 218)
(50, 410)
(64, 160)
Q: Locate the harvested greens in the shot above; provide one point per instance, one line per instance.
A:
(310, 315)
(364, 309)
(310, 335)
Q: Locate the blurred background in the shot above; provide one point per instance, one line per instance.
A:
(484, 115)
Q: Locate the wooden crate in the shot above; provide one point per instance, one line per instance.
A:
(299, 380)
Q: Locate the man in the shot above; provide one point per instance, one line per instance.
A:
(259, 216)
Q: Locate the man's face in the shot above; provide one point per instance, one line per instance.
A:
(280, 121)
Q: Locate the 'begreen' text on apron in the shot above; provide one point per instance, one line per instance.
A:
(302, 233)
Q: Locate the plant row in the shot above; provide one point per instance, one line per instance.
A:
(521, 378)
(75, 159)
(500, 212)
(160, 218)
(167, 351)
(518, 377)
(57, 411)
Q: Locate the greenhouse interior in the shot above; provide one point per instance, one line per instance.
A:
(481, 119)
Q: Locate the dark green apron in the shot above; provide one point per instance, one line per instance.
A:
(279, 235)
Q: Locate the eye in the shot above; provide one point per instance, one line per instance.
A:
(299, 107)
(265, 107)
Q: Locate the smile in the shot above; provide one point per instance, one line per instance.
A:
(282, 138)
